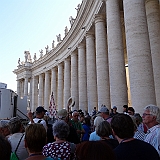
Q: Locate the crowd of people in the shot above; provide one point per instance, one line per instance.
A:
(74, 135)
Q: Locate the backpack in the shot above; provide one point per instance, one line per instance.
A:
(13, 154)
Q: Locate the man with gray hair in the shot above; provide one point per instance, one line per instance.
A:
(72, 137)
(151, 117)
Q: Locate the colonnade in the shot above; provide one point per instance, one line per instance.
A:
(94, 73)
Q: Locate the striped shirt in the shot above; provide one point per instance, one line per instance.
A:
(153, 137)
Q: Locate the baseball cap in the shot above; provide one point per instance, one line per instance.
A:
(4, 123)
(62, 113)
(114, 107)
(40, 109)
(104, 109)
(14, 120)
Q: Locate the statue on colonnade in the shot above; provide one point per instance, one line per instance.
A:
(35, 57)
(41, 53)
(47, 49)
(59, 38)
(66, 31)
(71, 20)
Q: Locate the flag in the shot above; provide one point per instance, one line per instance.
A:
(52, 107)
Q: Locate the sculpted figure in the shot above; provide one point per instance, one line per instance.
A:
(26, 56)
(41, 53)
(29, 58)
(71, 20)
(58, 38)
(53, 44)
(35, 58)
(66, 31)
(19, 62)
(78, 7)
(47, 49)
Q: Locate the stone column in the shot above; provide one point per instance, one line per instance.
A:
(34, 94)
(153, 19)
(26, 86)
(18, 88)
(30, 92)
(60, 86)
(118, 83)
(103, 87)
(54, 83)
(67, 81)
(22, 88)
(82, 77)
(91, 71)
(47, 90)
(74, 79)
(139, 55)
(41, 90)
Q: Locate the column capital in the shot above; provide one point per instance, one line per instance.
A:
(74, 53)
(90, 34)
(81, 45)
(54, 68)
(47, 72)
(67, 59)
(99, 18)
(146, 1)
(60, 64)
(41, 75)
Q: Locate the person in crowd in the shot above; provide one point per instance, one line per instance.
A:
(35, 140)
(87, 127)
(105, 113)
(72, 137)
(70, 115)
(131, 111)
(125, 109)
(114, 111)
(140, 125)
(4, 130)
(16, 139)
(105, 132)
(87, 115)
(93, 135)
(141, 128)
(81, 117)
(77, 124)
(94, 150)
(5, 149)
(130, 148)
(60, 148)
(151, 117)
(40, 112)
(94, 111)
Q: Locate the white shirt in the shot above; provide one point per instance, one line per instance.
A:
(43, 122)
(153, 137)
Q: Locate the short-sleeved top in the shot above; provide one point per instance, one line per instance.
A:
(43, 122)
(57, 150)
(77, 126)
(14, 140)
(94, 137)
(135, 150)
(153, 137)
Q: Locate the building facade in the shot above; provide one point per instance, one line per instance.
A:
(110, 55)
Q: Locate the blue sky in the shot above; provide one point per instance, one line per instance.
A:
(30, 25)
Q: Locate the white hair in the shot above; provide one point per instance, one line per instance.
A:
(154, 110)
(97, 121)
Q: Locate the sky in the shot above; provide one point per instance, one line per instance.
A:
(30, 25)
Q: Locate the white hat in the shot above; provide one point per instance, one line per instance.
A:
(4, 123)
